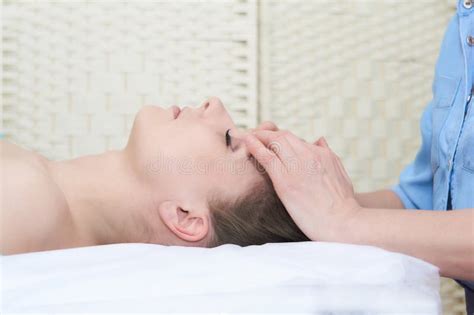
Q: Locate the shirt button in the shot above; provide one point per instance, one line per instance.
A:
(470, 40)
(467, 4)
(449, 165)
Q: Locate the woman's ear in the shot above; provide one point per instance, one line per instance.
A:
(191, 224)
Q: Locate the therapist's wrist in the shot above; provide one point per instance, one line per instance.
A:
(341, 220)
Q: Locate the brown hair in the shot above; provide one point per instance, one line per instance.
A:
(257, 218)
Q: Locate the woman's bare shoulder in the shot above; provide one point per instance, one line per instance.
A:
(31, 204)
(20, 167)
(10, 152)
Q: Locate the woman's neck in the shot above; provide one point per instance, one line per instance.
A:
(106, 200)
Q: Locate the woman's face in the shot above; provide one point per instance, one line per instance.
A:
(186, 158)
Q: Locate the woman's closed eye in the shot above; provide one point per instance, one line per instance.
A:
(228, 139)
(237, 137)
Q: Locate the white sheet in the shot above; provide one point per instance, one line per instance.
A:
(304, 277)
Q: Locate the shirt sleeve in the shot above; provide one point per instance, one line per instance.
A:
(415, 187)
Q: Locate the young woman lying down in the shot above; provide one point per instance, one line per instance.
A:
(182, 179)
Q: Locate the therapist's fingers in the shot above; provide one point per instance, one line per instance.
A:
(341, 166)
(321, 142)
(301, 147)
(320, 146)
(265, 157)
(267, 125)
(303, 156)
(286, 146)
(268, 136)
(284, 150)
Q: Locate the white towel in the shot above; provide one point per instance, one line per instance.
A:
(307, 277)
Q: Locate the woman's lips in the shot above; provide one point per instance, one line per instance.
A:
(176, 111)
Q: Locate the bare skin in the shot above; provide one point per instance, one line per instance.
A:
(41, 209)
(36, 214)
(136, 194)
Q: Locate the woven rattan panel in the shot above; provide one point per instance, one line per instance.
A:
(358, 72)
(76, 72)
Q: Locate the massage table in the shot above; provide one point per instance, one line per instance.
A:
(303, 278)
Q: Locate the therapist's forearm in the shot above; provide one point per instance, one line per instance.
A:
(383, 199)
(443, 238)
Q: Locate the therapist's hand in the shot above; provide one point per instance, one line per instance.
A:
(309, 179)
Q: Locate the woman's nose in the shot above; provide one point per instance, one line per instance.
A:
(213, 103)
(205, 105)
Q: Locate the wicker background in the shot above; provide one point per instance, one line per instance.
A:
(358, 72)
(78, 71)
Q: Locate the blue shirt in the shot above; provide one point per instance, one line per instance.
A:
(442, 175)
